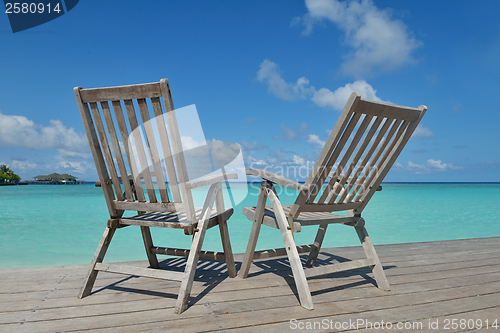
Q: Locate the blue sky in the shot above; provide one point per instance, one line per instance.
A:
(268, 75)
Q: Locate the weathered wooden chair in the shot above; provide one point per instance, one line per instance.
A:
(128, 159)
(362, 147)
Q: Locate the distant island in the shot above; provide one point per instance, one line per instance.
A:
(7, 176)
(56, 179)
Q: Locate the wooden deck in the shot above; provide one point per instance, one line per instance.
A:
(433, 282)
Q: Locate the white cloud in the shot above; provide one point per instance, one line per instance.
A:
(253, 163)
(190, 143)
(422, 132)
(336, 100)
(23, 166)
(298, 160)
(252, 146)
(19, 131)
(291, 134)
(430, 167)
(440, 166)
(323, 97)
(314, 139)
(269, 74)
(378, 42)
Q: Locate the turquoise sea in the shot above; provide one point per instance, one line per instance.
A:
(46, 225)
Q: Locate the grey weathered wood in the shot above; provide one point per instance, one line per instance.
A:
(224, 231)
(210, 255)
(128, 156)
(209, 180)
(266, 175)
(365, 162)
(188, 276)
(340, 267)
(271, 253)
(95, 149)
(350, 181)
(260, 303)
(153, 150)
(177, 148)
(106, 150)
(354, 177)
(147, 90)
(139, 271)
(129, 195)
(148, 245)
(293, 255)
(334, 186)
(143, 166)
(124, 134)
(386, 110)
(98, 257)
(166, 149)
(318, 241)
(150, 206)
(372, 257)
(254, 234)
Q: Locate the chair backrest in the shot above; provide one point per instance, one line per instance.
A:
(128, 150)
(361, 149)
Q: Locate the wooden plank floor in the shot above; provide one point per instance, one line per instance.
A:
(432, 283)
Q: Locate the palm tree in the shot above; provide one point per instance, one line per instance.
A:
(6, 174)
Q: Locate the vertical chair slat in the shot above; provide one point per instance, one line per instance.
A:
(332, 194)
(383, 150)
(333, 158)
(373, 162)
(95, 148)
(139, 146)
(352, 180)
(177, 150)
(122, 126)
(407, 130)
(167, 152)
(325, 153)
(151, 140)
(106, 150)
(366, 158)
(117, 150)
(386, 159)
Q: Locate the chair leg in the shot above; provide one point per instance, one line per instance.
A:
(226, 245)
(192, 260)
(254, 234)
(378, 271)
(293, 255)
(320, 235)
(98, 258)
(148, 244)
(224, 233)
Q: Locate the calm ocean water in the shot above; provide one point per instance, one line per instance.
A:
(46, 225)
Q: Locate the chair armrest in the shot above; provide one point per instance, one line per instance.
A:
(209, 180)
(357, 182)
(98, 184)
(273, 178)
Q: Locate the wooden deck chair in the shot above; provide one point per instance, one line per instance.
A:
(362, 147)
(128, 145)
